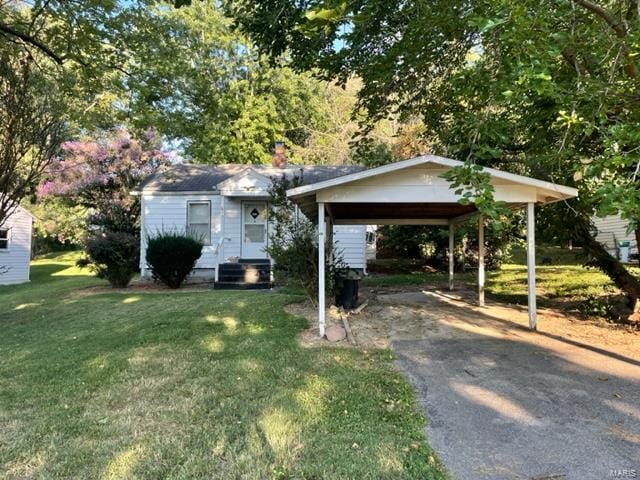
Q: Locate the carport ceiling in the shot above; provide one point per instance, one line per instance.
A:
(381, 213)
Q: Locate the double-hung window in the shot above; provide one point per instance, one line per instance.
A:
(4, 239)
(199, 221)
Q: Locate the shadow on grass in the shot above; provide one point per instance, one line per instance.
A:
(205, 385)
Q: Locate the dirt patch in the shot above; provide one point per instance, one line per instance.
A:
(369, 327)
(431, 311)
(415, 313)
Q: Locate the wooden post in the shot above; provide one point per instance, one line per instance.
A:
(451, 259)
(531, 265)
(481, 261)
(321, 281)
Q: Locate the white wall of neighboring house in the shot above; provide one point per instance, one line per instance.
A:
(17, 255)
(371, 249)
(613, 229)
(351, 243)
(169, 212)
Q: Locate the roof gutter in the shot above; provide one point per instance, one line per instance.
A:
(137, 193)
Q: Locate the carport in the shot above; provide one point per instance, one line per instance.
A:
(413, 192)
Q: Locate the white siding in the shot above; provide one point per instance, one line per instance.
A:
(169, 212)
(371, 247)
(350, 240)
(18, 255)
(613, 229)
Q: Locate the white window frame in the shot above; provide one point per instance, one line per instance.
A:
(8, 229)
(200, 202)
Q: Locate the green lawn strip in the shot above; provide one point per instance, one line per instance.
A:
(191, 385)
(567, 284)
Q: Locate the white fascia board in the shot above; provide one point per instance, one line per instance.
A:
(161, 193)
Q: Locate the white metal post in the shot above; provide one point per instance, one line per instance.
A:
(531, 265)
(481, 261)
(451, 260)
(321, 255)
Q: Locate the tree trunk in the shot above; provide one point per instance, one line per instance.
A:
(602, 259)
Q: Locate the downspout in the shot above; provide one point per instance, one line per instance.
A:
(220, 252)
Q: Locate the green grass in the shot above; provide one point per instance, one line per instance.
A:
(190, 385)
(565, 283)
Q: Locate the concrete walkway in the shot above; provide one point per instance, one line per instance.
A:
(506, 403)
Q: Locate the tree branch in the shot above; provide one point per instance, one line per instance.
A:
(32, 41)
(605, 15)
(618, 27)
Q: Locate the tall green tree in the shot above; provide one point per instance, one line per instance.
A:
(547, 88)
(58, 63)
(205, 87)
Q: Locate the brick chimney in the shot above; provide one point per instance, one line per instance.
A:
(279, 159)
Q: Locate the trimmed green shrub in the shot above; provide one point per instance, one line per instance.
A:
(171, 256)
(114, 256)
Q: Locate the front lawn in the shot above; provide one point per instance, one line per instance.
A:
(190, 385)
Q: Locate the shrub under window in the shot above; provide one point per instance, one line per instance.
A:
(171, 256)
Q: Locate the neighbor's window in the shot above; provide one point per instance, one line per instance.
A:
(199, 221)
(4, 238)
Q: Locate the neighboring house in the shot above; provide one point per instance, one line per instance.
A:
(228, 205)
(371, 238)
(15, 247)
(611, 231)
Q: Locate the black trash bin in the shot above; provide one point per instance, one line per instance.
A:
(347, 291)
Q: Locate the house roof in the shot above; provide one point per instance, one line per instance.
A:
(204, 178)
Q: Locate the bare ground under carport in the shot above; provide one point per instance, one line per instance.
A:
(507, 403)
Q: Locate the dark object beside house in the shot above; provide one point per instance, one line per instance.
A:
(347, 292)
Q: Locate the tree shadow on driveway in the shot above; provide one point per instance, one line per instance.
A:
(508, 403)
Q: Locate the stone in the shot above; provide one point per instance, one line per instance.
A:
(335, 333)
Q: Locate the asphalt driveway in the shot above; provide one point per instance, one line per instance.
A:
(506, 403)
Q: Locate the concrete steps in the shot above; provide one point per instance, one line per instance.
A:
(246, 274)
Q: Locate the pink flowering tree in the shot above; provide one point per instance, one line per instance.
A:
(100, 174)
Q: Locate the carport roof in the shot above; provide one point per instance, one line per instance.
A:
(413, 191)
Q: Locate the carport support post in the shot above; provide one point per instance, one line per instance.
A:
(451, 227)
(531, 265)
(481, 261)
(321, 254)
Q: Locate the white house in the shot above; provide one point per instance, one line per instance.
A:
(611, 231)
(15, 247)
(228, 206)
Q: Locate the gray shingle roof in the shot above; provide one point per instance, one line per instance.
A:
(202, 178)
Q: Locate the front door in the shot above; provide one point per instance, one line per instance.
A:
(254, 229)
